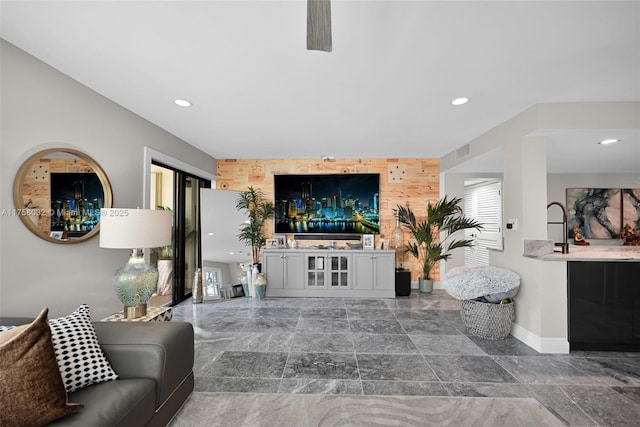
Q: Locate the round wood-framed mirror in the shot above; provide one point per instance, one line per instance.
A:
(58, 194)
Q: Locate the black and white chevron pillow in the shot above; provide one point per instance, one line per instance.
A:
(80, 358)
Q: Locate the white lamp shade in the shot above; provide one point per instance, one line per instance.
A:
(122, 228)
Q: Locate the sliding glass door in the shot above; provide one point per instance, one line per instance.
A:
(189, 234)
(176, 190)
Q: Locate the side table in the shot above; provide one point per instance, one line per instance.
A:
(154, 314)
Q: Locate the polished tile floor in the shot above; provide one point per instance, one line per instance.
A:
(404, 346)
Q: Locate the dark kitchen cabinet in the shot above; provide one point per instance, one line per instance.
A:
(604, 305)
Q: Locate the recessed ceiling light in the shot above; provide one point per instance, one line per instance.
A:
(459, 101)
(209, 234)
(609, 141)
(182, 102)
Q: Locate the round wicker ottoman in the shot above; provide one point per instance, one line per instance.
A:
(486, 320)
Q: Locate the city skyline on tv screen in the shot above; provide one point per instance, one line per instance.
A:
(330, 203)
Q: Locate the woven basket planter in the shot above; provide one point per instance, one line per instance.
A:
(486, 320)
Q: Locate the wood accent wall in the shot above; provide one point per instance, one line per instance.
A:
(410, 182)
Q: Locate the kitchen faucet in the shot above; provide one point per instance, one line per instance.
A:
(564, 244)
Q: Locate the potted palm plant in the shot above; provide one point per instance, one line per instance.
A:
(435, 236)
(259, 210)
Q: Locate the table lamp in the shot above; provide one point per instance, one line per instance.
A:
(135, 229)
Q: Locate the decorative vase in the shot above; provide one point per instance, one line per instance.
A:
(425, 286)
(252, 275)
(397, 242)
(261, 286)
(196, 290)
(245, 284)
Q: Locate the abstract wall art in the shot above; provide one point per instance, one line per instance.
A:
(602, 213)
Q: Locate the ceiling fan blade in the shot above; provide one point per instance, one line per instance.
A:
(319, 25)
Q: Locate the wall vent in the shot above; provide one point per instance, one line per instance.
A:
(462, 151)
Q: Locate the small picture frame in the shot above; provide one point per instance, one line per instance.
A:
(382, 244)
(282, 241)
(367, 241)
(272, 243)
(56, 234)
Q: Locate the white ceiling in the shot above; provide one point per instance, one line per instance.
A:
(384, 91)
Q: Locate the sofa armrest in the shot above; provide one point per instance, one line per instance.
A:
(161, 351)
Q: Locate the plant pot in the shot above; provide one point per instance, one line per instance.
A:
(425, 286)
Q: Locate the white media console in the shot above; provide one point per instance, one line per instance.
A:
(329, 273)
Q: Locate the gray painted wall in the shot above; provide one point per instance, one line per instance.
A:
(43, 108)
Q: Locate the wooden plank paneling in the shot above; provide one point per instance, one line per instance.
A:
(420, 184)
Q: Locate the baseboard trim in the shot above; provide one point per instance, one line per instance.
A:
(541, 345)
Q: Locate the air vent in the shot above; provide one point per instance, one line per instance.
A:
(462, 151)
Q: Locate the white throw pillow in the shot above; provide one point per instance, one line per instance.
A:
(78, 353)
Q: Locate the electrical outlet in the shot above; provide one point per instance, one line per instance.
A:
(512, 224)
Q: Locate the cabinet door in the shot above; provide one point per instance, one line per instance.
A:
(600, 304)
(374, 271)
(273, 265)
(338, 270)
(629, 274)
(384, 271)
(315, 270)
(363, 277)
(293, 270)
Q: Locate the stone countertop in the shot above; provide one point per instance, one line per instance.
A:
(591, 253)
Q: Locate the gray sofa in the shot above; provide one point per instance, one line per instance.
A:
(154, 363)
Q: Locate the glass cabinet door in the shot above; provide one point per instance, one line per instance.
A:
(315, 270)
(339, 270)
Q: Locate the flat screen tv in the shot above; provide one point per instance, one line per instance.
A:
(345, 204)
